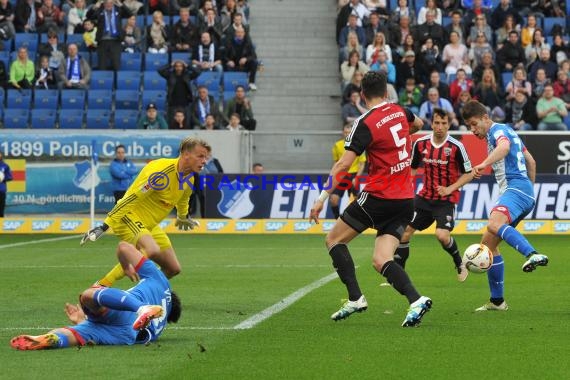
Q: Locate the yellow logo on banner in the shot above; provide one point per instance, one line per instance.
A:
(18, 168)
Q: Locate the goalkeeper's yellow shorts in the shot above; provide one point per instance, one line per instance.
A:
(131, 229)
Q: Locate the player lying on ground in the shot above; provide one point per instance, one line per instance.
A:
(109, 316)
(160, 186)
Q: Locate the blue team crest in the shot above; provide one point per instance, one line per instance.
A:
(235, 202)
(83, 175)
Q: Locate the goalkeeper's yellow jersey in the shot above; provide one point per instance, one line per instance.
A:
(154, 193)
(338, 151)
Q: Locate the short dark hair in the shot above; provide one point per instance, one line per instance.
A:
(374, 84)
(257, 164)
(119, 147)
(440, 112)
(473, 108)
(176, 309)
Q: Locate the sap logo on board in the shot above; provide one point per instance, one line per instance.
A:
(41, 225)
(215, 226)
(301, 226)
(532, 226)
(327, 226)
(475, 226)
(12, 225)
(164, 224)
(70, 225)
(274, 226)
(561, 227)
(244, 226)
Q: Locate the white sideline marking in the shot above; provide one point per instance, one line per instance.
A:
(38, 241)
(284, 303)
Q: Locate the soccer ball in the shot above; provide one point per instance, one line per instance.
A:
(478, 258)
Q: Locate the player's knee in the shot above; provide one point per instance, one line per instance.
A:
(172, 270)
(493, 227)
(442, 236)
(86, 297)
(378, 262)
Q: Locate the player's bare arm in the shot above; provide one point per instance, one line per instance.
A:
(530, 165)
(500, 152)
(416, 125)
(74, 313)
(342, 165)
(447, 190)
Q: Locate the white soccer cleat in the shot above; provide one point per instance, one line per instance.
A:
(350, 307)
(534, 261)
(490, 306)
(417, 311)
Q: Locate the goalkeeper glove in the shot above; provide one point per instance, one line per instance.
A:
(186, 223)
(94, 233)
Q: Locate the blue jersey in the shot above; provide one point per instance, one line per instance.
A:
(510, 171)
(116, 327)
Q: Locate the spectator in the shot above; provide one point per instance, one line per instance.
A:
(354, 85)
(430, 57)
(74, 72)
(25, 16)
(162, 6)
(230, 32)
(22, 70)
(491, 94)
(257, 168)
(90, 35)
(478, 48)
(352, 27)
(353, 109)
(179, 120)
(540, 82)
(382, 64)
(502, 33)
(435, 101)
(477, 9)
(456, 25)
(391, 94)
(528, 31)
(184, 33)
(532, 50)
(206, 55)
(212, 25)
(403, 10)
(503, 11)
(560, 50)
(487, 62)
(379, 44)
(157, 35)
(134, 7)
(550, 111)
(241, 105)
(353, 64)
(212, 166)
(411, 96)
(550, 68)
(45, 74)
(178, 76)
(374, 27)
(562, 87)
(234, 124)
(152, 119)
(521, 114)
(462, 99)
(53, 49)
(430, 29)
(410, 69)
(430, 5)
(518, 83)
(479, 27)
(401, 35)
(7, 29)
(5, 176)
(204, 105)
(211, 123)
(409, 44)
(240, 56)
(435, 81)
(356, 8)
(511, 54)
(460, 84)
(123, 172)
(48, 16)
(227, 12)
(132, 36)
(202, 11)
(449, 6)
(351, 45)
(109, 32)
(77, 15)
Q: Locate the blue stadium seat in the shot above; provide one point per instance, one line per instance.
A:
(28, 40)
(129, 80)
(100, 99)
(153, 62)
(126, 119)
(227, 95)
(234, 79)
(419, 4)
(153, 81)
(2, 98)
(98, 119)
(131, 61)
(445, 21)
(102, 80)
(72, 99)
(16, 118)
(16, 99)
(44, 118)
(127, 99)
(179, 56)
(78, 40)
(450, 78)
(31, 55)
(549, 22)
(46, 99)
(210, 79)
(71, 119)
(5, 57)
(60, 38)
(506, 77)
(156, 97)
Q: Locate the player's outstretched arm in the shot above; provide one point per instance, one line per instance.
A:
(416, 125)
(447, 190)
(94, 234)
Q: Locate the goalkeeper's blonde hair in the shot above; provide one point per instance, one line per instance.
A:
(189, 143)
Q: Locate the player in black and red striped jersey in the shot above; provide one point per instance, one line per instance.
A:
(386, 202)
(446, 168)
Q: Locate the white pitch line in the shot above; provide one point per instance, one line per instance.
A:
(38, 241)
(284, 303)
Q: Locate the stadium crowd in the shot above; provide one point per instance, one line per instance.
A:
(512, 55)
(178, 64)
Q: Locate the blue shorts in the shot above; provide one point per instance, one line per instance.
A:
(515, 204)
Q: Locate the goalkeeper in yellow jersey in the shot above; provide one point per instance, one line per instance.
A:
(161, 185)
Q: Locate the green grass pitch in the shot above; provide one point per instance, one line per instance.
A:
(227, 279)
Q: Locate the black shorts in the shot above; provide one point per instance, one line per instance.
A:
(351, 190)
(427, 211)
(387, 216)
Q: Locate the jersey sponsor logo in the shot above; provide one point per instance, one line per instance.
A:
(561, 227)
(467, 166)
(235, 202)
(532, 226)
(215, 226)
(244, 226)
(12, 225)
(41, 225)
(301, 226)
(447, 151)
(274, 226)
(84, 176)
(475, 226)
(435, 161)
(69, 225)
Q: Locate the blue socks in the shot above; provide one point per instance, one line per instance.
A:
(496, 276)
(116, 299)
(62, 340)
(515, 240)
